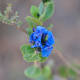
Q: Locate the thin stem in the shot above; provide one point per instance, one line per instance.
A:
(42, 14)
(18, 28)
(66, 62)
(35, 63)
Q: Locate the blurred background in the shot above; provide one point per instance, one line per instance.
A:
(66, 29)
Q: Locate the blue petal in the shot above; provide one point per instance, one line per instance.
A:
(37, 43)
(45, 31)
(50, 38)
(46, 50)
(42, 30)
(39, 28)
(31, 38)
(47, 55)
(50, 33)
(44, 53)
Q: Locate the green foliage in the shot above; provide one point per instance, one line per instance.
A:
(31, 23)
(40, 14)
(35, 20)
(29, 31)
(48, 2)
(42, 58)
(34, 11)
(48, 11)
(29, 53)
(47, 71)
(44, 1)
(46, 75)
(63, 71)
(27, 49)
(19, 23)
(31, 57)
(41, 8)
(41, 77)
(50, 26)
(33, 72)
(66, 72)
(13, 19)
(72, 73)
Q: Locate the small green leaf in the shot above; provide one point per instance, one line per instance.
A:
(71, 73)
(47, 71)
(27, 49)
(34, 11)
(31, 23)
(63, 71)
(48, 11)
(42, 58)
(32, 72)
(49, 2)
(35, 20)
(41, 77)
(31, 57)
(41, 8)
(29, 30)
(50, 26)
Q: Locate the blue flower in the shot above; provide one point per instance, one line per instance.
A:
(37, 43)
(46, 50)
(41, 30)
(41, 42)
(50, 38)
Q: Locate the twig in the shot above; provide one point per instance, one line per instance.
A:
(18, 28)
(66, 62)
(35, 63)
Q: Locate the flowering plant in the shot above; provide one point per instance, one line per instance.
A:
(41, 43)
(41, 38)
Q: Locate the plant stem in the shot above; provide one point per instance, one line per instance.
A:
(35, 63)
(19, 28)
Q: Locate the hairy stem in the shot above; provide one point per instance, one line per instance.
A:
(19, 28)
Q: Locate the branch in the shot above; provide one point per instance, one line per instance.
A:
(66, 62)
(18, 28)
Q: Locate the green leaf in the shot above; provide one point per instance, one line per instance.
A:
(50, 26)
(63, 71)
(41, 8)
(29, 30)
(49, 2)
(25, 49)
(34, 11)
(35, 20)
(42, 58)
(48, 11)
(71, 73)
(32, 72)
(41, 77)
(47, 71)
(31, 57)
(31, 23)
